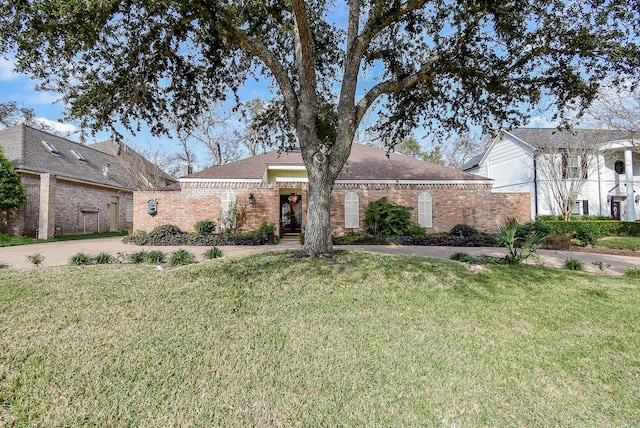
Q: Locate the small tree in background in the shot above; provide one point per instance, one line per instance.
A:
(12, 191)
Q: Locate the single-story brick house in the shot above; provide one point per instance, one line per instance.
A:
(72, 188)
(273, 188)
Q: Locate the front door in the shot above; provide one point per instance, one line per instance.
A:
(115, 211)
(291, 212)
(615, 210)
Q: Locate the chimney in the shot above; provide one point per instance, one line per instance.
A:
(186, 170)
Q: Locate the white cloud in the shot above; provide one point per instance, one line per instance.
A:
(6, 70)
(62, 128)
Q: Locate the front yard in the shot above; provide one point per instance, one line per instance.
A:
(361, 340)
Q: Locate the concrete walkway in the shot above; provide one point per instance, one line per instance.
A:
(59, 253)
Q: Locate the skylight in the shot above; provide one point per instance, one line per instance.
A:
(51, 147)
(78, 156)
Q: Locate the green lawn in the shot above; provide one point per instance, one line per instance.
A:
(361, 340)
(620, 242)
(8, 241)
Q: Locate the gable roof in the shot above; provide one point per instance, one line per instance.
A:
(131, 157)
(27, 149)
(545, 138)
(554, 137)
(365, 163)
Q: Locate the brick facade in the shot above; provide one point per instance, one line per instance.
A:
(472, 204)
(59, 207)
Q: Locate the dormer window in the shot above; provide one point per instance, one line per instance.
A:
(51, 147)
(78, 156)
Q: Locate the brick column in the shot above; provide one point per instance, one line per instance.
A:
(47, 222)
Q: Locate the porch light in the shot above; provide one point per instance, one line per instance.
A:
(637, 199)
(252, 199)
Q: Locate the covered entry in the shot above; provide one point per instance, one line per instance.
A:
(290, 211)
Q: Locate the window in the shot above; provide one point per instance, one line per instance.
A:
(425, 208)
(576, 208)
(227, 210)
(618, 167)
(574, 166)
(78, 156)
(51, 147)
(129, 209)
(580, 207)
(351, 211)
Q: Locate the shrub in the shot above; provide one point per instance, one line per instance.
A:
(415, 229)
(462, 257)
(387, 218)
(36, 259)
(156, 257)
(588, 233)
(103, 259)
(573, 264)
(80, 259)
(541, 227)
(463, 231)
(518, 248)
(3, 266)
(267, 228)
(212, 253)
(138, 257)
(632, 272)
(181, 257)
(205, 227)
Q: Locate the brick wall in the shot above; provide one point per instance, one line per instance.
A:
(69, 201)
(452, 204)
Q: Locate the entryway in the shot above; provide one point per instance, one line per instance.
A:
(290, 211)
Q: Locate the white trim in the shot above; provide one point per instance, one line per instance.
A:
(287, 167)
(292, 180)
(351, 210)
(425, 210)
(414, 181)
(220, 180)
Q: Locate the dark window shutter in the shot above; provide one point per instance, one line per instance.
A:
(585, 207)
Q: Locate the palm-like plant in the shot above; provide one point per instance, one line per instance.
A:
(518, 248)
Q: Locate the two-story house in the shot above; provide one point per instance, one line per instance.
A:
(603, 165)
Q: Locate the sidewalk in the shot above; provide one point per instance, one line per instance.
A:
(59, 253)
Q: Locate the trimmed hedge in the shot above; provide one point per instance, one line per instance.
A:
(606, 227)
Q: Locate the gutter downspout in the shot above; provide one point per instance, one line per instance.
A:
(535, 187)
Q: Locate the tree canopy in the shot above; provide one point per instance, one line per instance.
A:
(439, 64)
(12, 191)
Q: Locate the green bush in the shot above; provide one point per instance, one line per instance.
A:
(80, 259)
(36, 259)
(573, 264)
(267, 228)
(386, 218)
(607, 227)
(632, 272)
(156, 257)
(462, 257)
(415, 229)
(212, 253)
(103, 259)
(588, 233)
(519, 248)
(181, 257)
(205, 227)
(138, 257)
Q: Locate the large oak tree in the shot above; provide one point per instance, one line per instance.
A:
(438, 63)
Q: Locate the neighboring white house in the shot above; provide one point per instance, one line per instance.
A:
(611, 176)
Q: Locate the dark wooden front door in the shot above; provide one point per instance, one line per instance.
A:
(615, 210)
(291, 213)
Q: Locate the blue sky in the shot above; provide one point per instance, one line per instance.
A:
(21, 89)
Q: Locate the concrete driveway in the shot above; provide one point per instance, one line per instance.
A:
(59, 253)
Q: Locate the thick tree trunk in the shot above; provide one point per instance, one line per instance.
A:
(317, 235)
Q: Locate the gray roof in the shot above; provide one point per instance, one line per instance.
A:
(365, 163)
(472, 163)
(24, 146)
(553, 137)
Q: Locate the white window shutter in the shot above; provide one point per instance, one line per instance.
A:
(425, 216)
(351, 211)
